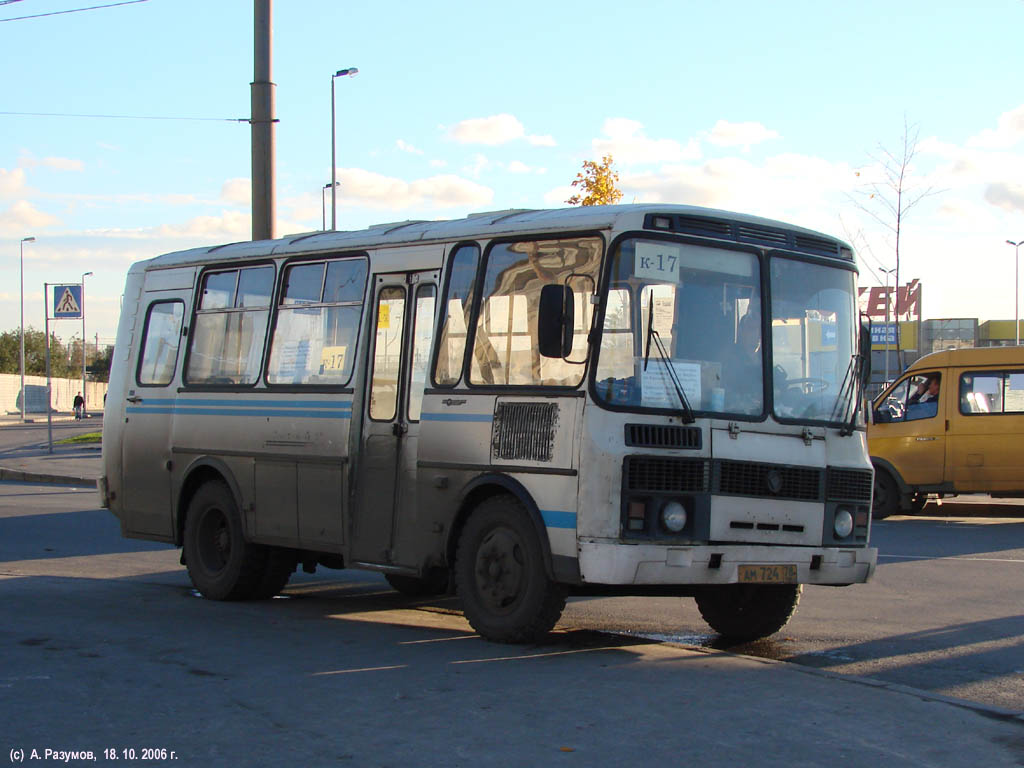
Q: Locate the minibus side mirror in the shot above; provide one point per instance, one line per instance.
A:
(555, 321)
(865, 349)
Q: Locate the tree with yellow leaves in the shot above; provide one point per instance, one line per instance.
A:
(598, 183)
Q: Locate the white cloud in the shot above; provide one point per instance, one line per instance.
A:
(743, 135)
(11, 182)
(494, 130)
(22, 217)
(1008, 132)
(63, 164)
(556, 197)
(518, 167)
(626, 143)
(542, 141)
(480, 164)
(404, 147)
(236, 191)
(373, 190)
(437, 163)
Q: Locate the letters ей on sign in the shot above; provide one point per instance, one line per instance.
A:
(67, 301)
(657, 261)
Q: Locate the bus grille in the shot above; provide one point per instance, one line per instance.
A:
(524, 431)
(850, 485)
(657, 473)
(663, 436)
(743, 478)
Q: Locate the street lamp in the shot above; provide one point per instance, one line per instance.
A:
(887, 305)
(22, 248)
(1016, 289)
(350, 72)
(84, 275)
(323, 206)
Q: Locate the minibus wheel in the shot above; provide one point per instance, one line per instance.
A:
(506, 594)
(221, 563)
(885, 500)
(743, 612)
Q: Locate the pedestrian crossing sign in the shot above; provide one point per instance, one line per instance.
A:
(67, 301)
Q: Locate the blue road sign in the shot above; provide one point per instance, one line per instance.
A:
(67, 301)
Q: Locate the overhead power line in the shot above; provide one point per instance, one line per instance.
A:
(128, 117)
(73, 10)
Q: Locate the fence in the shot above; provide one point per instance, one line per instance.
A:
(62, 399)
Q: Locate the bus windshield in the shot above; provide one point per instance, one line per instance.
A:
(814, 338)
(704, 305)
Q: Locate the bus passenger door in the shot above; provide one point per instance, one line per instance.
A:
(403, 321)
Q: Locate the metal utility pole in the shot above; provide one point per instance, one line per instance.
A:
(262, 122)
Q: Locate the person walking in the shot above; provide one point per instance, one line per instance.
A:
(79, 406)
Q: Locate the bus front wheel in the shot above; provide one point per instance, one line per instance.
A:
(744, 612)
(500, 576)
(221, 563)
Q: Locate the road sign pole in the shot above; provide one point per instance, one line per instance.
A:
(49, 397)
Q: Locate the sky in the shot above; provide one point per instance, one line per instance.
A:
(773, 109)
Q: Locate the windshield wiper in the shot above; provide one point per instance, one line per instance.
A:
(849, 393)
(653, 335)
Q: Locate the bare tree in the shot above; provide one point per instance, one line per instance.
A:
(891, 197)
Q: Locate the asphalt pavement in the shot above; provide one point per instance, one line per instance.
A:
(412, 684)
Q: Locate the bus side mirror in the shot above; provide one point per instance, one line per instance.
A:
(555, 321)
(865, 350)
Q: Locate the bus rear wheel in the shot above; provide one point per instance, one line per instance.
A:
(221, 563)
(499, 572)
(744, 612)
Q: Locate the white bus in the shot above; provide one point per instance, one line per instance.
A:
(516, 406)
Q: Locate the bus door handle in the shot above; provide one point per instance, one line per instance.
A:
(134, 399)
(398, 429)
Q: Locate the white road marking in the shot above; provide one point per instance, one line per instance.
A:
(979, 559)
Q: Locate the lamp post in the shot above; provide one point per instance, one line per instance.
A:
(84, 275)
(350, 72)
(323, 206)
(1016, 290)
(22, 260)
(888, 303)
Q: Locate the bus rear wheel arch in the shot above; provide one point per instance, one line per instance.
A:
(500, 574)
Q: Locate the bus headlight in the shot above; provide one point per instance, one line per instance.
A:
(843, 523)
(673, 517)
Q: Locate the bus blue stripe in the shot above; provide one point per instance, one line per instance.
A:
(554, 518)
(184, 410)
(250, 402)
(457, 417)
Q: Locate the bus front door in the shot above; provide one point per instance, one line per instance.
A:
(403, 323)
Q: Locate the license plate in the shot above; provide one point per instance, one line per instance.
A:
(767, 574)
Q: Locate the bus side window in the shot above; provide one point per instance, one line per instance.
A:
(422, 335)
(226, 345)
(387, 354)
(160, 342)
(456, 308)
(317, 325)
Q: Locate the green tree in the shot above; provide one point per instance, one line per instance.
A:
(62, 362)
(598, 184)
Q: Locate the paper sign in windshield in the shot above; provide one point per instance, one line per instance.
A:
(657, 261)
(658, 391)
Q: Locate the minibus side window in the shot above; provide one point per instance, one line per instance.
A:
(505, 351)
(230, 327)
(456, 306)
(991, 392)
(160, 343)
(317, 323)
(914, 398)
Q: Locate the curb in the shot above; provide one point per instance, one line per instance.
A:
(19, 475)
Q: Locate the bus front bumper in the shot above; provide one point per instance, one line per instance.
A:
(612, 562)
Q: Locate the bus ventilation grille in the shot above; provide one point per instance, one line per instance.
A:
(524, 431)
(663, 436)
(657, 473)
(747, 478)
(849, 485)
